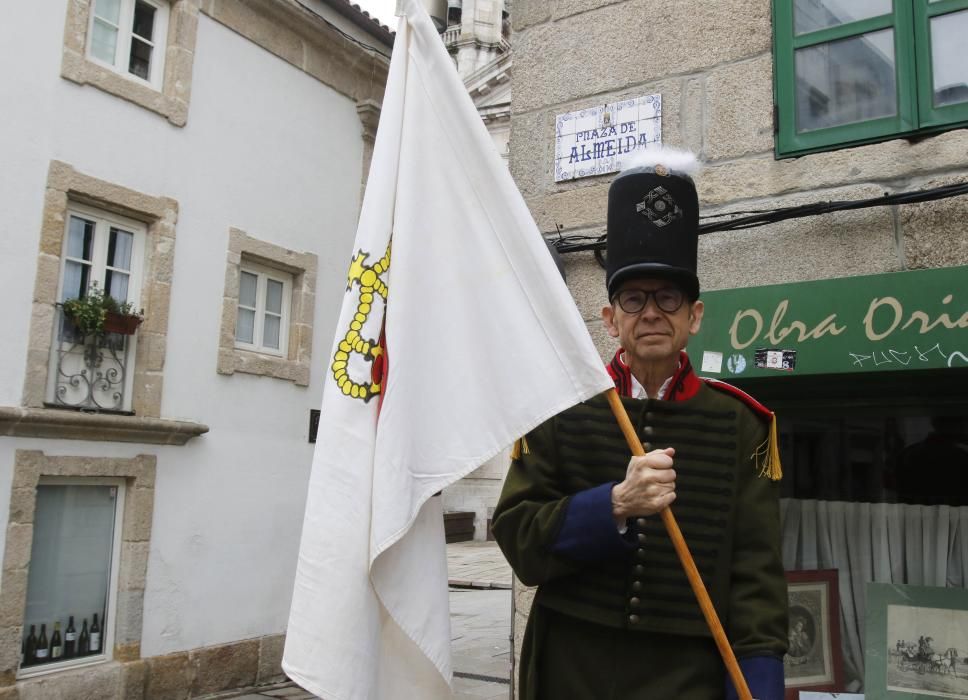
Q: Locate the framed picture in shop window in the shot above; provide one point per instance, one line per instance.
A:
(917, 641)
(813, 661)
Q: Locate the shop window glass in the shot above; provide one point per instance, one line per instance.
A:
(72, 563)
(875, 493)
(916, 459)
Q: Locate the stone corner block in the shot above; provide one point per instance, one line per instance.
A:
(270, 659)
(169, 677)
(224, 667)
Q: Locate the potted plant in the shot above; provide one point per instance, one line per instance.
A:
(97, 313)
(121, 317)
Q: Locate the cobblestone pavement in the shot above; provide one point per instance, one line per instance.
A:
(480, 619)
(480, 622)
(477, 565)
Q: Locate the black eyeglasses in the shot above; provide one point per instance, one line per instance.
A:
(668, 299)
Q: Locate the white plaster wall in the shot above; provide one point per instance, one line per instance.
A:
(266, 149)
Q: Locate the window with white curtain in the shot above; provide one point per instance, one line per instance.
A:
(875, 492)
(69, 616)
(265, 300)
(129, 37)
(106, 250)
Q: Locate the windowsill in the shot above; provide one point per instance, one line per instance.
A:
(16, 421)
(83, 71)
(28, 672)
(261, 352)
(235, 360)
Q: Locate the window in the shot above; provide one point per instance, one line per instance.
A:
(874, 491)
(849, 72)
(120, 47)
(129, 36)
(94, 372)
(69, 614)
(265, 297)
(267, 310)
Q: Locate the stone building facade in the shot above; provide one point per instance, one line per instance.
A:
(203, 160)
(716, 67)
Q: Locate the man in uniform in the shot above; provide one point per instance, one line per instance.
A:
(614, 616)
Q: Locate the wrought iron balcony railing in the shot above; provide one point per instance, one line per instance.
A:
(90, 372)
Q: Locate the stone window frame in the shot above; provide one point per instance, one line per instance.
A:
(28, 469)
(66, 185)
(159, 214)
(295, 366)
(173, 99)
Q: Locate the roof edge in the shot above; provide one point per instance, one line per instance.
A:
(362, 19)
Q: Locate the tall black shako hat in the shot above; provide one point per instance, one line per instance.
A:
(653, 221)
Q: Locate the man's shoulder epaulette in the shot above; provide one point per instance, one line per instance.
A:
(767, 455)
(759, 409)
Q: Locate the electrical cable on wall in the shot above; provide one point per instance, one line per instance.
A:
(745, 219)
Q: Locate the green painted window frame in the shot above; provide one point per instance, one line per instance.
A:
(931, 116)
(916, 113)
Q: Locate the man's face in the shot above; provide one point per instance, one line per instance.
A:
(651, 335)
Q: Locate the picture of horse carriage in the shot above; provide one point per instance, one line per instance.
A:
(921, 656)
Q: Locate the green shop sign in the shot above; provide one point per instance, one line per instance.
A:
(877, 323)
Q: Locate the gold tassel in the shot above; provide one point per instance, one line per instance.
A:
(520, 447)
(767, 455)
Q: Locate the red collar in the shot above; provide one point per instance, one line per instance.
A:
(683, 386)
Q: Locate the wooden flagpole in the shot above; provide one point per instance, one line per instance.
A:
(692, 573)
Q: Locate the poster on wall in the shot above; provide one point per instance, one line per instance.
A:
(917, 642)
(601, 139)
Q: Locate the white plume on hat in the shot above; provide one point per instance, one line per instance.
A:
(672, 158)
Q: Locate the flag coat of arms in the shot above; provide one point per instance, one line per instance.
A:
(457, 335)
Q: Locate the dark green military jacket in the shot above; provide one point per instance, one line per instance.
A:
(633, 584)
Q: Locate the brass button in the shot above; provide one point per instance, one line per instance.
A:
(647, 446)
(650, 416)
(640, 554)
(642, 537)
(636, 586)
(634, 619)
(648, 431)
(641, 522)
(639, 569)
(635, 602)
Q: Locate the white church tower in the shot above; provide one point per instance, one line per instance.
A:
(477, 37)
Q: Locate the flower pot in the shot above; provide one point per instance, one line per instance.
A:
(121, 323)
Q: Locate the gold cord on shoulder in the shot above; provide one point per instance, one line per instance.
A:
(767, 455)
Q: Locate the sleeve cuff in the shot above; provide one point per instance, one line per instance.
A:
(764, 676)
(588, 532)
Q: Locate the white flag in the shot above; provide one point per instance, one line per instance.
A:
(483, 342)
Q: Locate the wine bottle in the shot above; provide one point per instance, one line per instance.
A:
(30, 656)
(95, 636)
(84, 641)
(43, 645)
(70, 639)
(56, 645)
